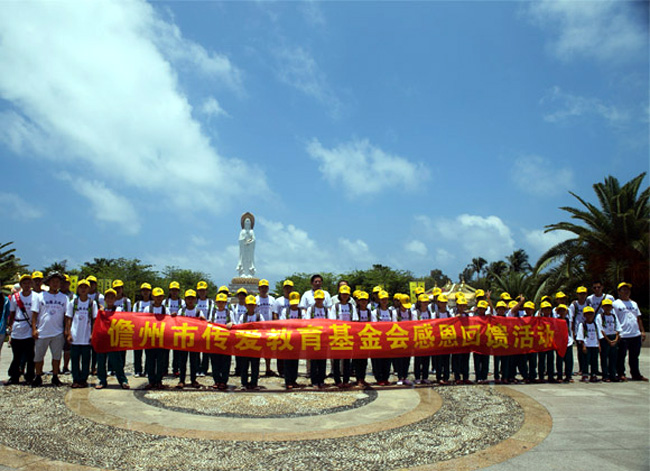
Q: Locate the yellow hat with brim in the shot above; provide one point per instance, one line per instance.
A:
(37, 274)
(545, 305)
(242, 291)
(588, 310)
(345, 289)
(223, 297)
(294, 295)
(287, 283)
(581, 289)
(512, 304)
(174, 285)
(436, 291)
(560, 295)
(83, 283)
(529, 305)
(383, 294)
(561, 307)
(377, 289)
(319, 294)
(607, 302)
(479, 293)
(190, 293)
(250, 299)
(223, 289)
(110, 291)
(90, 278)
(442, 299)
(502, 304)
(158, 292)
(419, 290)
(620, 285)
(294, 302)
(25, 276)
(201, 285)
(363, 295)
(423, 298)
(145, 286)
(263, 283)
(67, 278)
(461, 301)
(482, 304)
(118, 283)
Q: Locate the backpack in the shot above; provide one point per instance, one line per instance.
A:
(75, 308)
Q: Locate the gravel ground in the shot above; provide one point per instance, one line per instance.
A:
(470, 419)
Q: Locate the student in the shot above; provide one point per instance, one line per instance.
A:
(545, 359)
(80, 318)
(254, 363)
(317, 311)
(65, 289)
(96, 296)
(189, 309)
(565, 364)
(517, 362)
(283, 301)
(221, 315)
(20, 326)
(481, 361)
(442, 361)
(589, 336)
(114, 359)
(501, 362)
(173, 304)
(402, 364)
(595, 300)
(610, 327)
(343, 310)
(237, 313)
(140, 306)
(364, 314)
(576, 317)
(156, 358)
(266, 308)
(291, 312)
(421, 367)
(48, 313)
(383, 313)
(336, 297)
(460, 361)
(206, 306)
(122, 302)
(37, 282)
(632, 332)
(530, 358)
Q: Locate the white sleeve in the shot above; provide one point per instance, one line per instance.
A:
(12, 304)
(599, 333)
(353, 313)
(306, 314)
(36, 303)
(95, 310)
(373, 315)
(328, 300)
(580, 334)
(617, 324)
(68, 309)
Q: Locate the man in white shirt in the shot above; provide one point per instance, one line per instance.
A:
(282, 303)
(48, 313)
(307, 299)
(632, 335)
(266, 308)
(20, 326)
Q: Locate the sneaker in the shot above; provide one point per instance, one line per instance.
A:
(418, 381)
(400, 382)
(65, 371)
(407, 383)
(56, 381)
(584, 379)
(38, 381)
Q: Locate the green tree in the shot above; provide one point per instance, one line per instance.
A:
(187, 279)
(611, 238)
(518, 262)
(132, 271)
(302, 283)
(10, 266)
(436, 278)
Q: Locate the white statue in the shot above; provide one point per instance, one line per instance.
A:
(246, 266)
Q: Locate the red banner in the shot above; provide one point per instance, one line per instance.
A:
(320, 338)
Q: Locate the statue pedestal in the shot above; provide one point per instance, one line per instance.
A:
(251, 284)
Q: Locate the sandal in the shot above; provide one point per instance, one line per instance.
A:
(99, 386)
(125, 386)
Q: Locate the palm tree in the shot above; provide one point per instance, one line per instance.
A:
(611, 240)
(478, 265)
(518, 261)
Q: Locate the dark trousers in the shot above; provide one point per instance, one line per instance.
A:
(633, 346)
(114, 360)
(80, 358)
(347, 370)
(181, 360)
(519, 364)
(531, 360)
(176, 361)
(23, 353)
(442, 367)
(221, 368)
(502, 367)
(137, 362)
(582, 361)
(254, 364)
(546, 365)
(206, 359)
(360, 365)
(608, 358)
(592, 361)
(156, 364)
(460, 366)
(421, 368)
(93, 359)
(290, 372)
(382, 369)
(564, 365)
(402, 367)
(317, 373)
(481, 366)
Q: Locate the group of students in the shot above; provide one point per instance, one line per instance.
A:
(603, 329)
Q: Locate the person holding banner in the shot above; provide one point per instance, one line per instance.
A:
(266, 309)
(206, 306)
(98, 297)
(442, 361)
(401, 365)
(156, 358)
(221, 363)
(565, 365)
(124, 302)
(460, 361)
(317, 311)
(19, 325)
(422, 313)
(291, 312)
(545, 359)
(114, 359)
(530, 359)
(189, 309)
(383, 313)
(252, 363)
(80, 318)
(343, 310)
(364, 314)
(481, 361)
(140, 306)
(237, 313)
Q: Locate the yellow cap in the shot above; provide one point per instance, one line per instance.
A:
(117, 283)
(38, 274)
(223, 297)
(442, 298)
(83, 282)
(482, 304)
(423, 298)
(287, 283)
(512, 304)
(355, 293)
(405, 299)
(250, 299)
(190, 293)
(545, 305)
(419, 290)
(26, 276)
(461, 301)
(294, 302)
(529, 305)
(90, 278)
(561, 307)
(110, 291)
(545, 298)
(174, 285)
(363, 295)
(588, 310)
(223, 289)
(158, 292)
(397, 296)
(376, 289)
(505, 296)
(201, 285)
(607, 302)
(319, 294)
(502, 304)
(560, 295)
(145, 286)
(294, 295)
(383, 294)
(478, 293)
(242, 291)
(67, 278)
(263, 283)
(345, 289)
(620, 285)
(436, 291)
(581, 289)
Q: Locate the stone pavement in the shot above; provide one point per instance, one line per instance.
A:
(579, 426)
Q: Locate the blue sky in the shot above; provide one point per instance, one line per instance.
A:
(413, 134)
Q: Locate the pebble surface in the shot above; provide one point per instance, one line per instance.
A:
(470, 419)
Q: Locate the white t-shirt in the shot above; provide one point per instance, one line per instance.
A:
(124, 303)
(22, 326)
(185, 312)
(156, 309)
(594, 301)
(590, 334)
(365, 315)
(417, 314)
(81, 327)
(51, 309)
(575, 312)
(173, 305)
(314, 312)
(443, 315)
(405, 315)
(141, 306)
(388, 315)
(205, 306)
(628, 314)
(221, 317)
(288, 313)
(307, 299)
(343, 312)
(608, 324)
(281, 303)
(266, 307)
(97, 297)
(237, 312)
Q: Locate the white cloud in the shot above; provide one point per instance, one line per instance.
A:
(359, 168)
(297, 68)
(541, 241)
(571, 106)
(15, 207)
(540, 177)
(605, 30)
(211, 107)
(416, 247)
(96, 89)
(312, 12)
